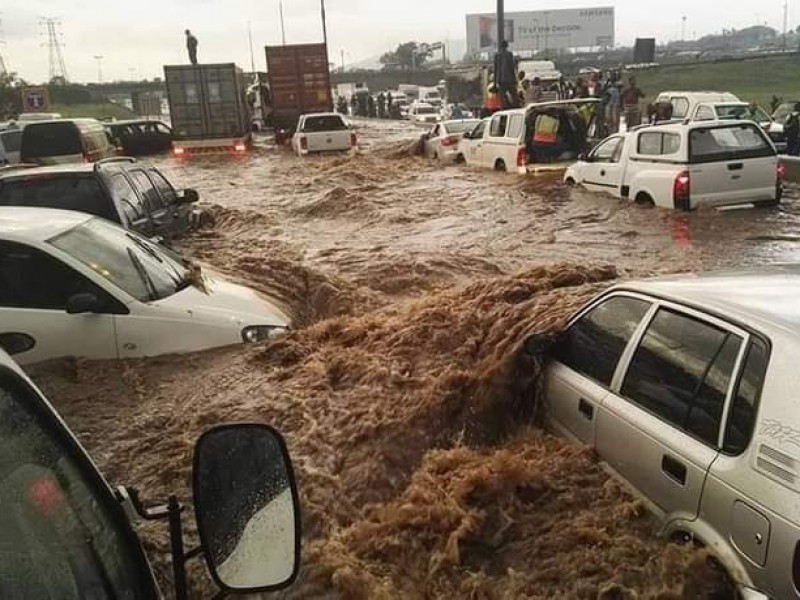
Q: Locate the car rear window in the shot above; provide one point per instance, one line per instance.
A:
(69, 192)
(731, 142)
(426, 110)
(461, 126)
(11, 140)
(326, 123)
(51, 139)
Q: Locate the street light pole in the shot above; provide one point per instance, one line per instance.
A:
(283, 27)
(324, 24)
(501, 23)
(99, 59)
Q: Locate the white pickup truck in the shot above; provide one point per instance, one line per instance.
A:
(323, 132)
(685, 165)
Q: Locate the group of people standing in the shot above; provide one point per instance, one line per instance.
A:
(364, 104)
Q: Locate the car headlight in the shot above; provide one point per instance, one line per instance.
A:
(261, 333)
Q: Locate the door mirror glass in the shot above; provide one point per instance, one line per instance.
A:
(82, 303)
(247, 509)
(188, 196)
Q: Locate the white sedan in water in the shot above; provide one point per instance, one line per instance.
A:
(441, 142)
(76, 285)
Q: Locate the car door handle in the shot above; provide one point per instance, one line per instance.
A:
(586, 409)
(674, 469)
(603, 173)
(735, 166)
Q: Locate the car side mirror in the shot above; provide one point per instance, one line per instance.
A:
(188, 196)
(583, 157)
(538, 344)
(82, 303)
(247, 508)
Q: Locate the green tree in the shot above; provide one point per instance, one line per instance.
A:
(10, 95)
(407, 56)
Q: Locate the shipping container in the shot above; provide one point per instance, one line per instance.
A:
(300, 83)
(207, 106)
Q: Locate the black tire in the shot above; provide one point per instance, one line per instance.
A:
(644, 200)
(460, 160)
(570, 182)
(499, 165)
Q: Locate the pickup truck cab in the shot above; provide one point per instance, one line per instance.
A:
(323, 132)
(67, 534)
(684, 104)
(685, 165)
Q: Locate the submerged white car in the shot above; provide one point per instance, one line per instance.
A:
(76, 285)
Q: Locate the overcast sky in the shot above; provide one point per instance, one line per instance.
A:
(137, 39)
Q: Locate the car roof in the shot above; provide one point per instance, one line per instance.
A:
(51, 121)
(323, 114)
(23, 172)
(37, 224)
(683, 124)
(452, 121)
(766, 297)
(554, 103)
(134, 122)
(703, 95)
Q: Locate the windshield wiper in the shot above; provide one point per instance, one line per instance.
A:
(144, 247)
(178, 278)
(148, 283)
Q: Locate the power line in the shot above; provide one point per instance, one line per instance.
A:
(51, 28)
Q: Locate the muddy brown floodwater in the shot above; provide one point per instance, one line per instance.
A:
(408, 407)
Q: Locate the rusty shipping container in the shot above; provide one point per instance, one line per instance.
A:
(299, 81)
(207, 104)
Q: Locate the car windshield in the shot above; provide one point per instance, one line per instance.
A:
(137, 266)
(69, 192)
(741, 111)
(426, 110)
(60, 533)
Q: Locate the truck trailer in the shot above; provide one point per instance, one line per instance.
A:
(208, 108)
(299, 82)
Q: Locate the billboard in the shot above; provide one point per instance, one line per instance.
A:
(543, 30)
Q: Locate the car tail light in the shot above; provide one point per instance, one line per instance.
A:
(353, 140)
(178, 151)
(522, 157)
(240, 148)
(304, 143)
(780, 172)
(681, 190)
(450, 140)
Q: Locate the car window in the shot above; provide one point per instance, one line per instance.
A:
(152, 199)
(680, 372)
(728, 143)
(478, 132)
(67, 536)
(51, 139)
(680, 106)
(593, 345)
(605, 150)
(70, 192)
(125, 194)
(742, 414)
(30, 278)
(704, 113)
(515, 126)
(498, 126)
(163, 186)
(460, 126)
(163, 129)
(435, 132)
(11, 140)
(324, 123)
(655, 143)
(783, 111)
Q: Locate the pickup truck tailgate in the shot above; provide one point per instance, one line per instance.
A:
(324, 141)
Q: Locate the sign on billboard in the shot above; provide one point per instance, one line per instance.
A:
(544, 30)
(35, 99)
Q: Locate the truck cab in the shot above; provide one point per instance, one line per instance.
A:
(68, 534)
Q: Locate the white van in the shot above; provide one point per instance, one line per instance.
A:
(504, 147)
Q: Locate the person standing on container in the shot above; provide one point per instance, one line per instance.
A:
(191, 46)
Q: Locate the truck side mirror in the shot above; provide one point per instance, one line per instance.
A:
(188, 196)
(247, 508)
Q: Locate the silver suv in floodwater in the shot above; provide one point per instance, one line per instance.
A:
(686, 387)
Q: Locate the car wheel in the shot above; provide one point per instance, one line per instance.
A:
(644, 200)
(499, 165)
(460, 160)
(570, 182)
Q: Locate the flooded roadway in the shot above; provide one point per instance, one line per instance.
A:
(404, 398)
